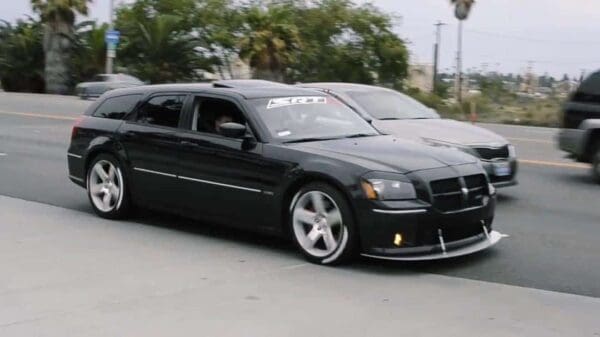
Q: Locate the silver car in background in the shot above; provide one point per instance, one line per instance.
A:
(104, 82)
(394, 113)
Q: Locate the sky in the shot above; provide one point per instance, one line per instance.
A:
(551, 36)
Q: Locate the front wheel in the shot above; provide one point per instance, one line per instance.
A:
(106, 187)
(322, 224)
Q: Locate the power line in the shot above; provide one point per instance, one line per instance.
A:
(529, 39)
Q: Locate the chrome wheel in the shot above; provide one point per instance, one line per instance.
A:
(317, 224)
(105, 186)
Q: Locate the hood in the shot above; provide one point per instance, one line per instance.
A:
(445, 130)
(388, 152)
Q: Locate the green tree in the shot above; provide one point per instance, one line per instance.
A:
(270, 41)
(89, 50)
(22, 56)
(344, 42)
(158, 43)
(219, 25)
(58, 17)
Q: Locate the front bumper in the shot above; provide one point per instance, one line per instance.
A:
(427, 234)
(450, 250)
(502, 180)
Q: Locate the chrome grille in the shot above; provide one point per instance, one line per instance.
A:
(459, 193)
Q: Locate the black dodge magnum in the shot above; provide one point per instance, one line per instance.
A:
(285, 161)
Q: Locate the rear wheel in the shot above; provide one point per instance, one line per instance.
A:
(106, 187)
(322, 224)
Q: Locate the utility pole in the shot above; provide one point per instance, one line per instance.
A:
(436, 52)
(458, 79)
(110, 53)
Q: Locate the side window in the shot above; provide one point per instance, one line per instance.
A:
(162, 110)
(210, 113)
(117, 107)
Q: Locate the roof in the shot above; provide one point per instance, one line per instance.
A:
(340, 86)
(247, 92)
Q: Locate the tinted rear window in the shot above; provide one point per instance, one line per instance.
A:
(163, 110)
(117, 107)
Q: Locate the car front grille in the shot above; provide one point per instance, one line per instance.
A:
(459, 193)
(492, 153)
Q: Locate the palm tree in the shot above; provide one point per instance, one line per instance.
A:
(158, 50)
(58, 17)
(462, 8)
(270, 41)
(88, 50)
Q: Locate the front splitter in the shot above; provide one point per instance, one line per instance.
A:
(493, 238)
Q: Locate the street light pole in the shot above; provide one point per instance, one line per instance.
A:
(458, 79)
(110, 54)
(436, 53)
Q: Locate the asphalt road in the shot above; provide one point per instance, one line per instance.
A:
(552, 217)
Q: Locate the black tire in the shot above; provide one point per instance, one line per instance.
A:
(121, 205)
(347, 235)
(596, 162)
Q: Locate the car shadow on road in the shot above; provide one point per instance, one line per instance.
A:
(209, 230)
(582, 179)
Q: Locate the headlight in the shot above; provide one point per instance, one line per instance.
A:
(383, 189)
(512, 151)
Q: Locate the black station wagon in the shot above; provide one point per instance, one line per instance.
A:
(281, 160)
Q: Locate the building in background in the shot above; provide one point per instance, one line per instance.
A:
(420, 76)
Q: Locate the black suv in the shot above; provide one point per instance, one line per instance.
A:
(580, 133)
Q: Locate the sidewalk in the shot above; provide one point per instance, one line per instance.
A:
(67, 273)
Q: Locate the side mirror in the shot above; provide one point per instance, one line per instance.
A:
(233, 130)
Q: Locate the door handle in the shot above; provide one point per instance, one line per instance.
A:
(189, 144)
(129, 134)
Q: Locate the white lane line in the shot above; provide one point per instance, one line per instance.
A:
(531, 140)
(2, 154)
(555, 164)
(38, 115)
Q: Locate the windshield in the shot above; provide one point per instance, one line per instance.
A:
(388, 104)
(303, 118)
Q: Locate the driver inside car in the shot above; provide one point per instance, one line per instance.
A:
(220, 120)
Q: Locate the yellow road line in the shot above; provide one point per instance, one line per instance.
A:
(555, 164)
(531, 140)
(37, 115)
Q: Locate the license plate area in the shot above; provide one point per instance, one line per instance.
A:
(502, 169)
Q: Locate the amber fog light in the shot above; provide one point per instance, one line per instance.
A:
(398, 239)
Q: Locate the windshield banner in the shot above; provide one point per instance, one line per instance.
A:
(287, 101)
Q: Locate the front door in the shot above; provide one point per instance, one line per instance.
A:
(221, 179)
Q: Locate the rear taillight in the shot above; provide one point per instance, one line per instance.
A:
(76, 127)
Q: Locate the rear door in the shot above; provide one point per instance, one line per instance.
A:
(150, 141)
